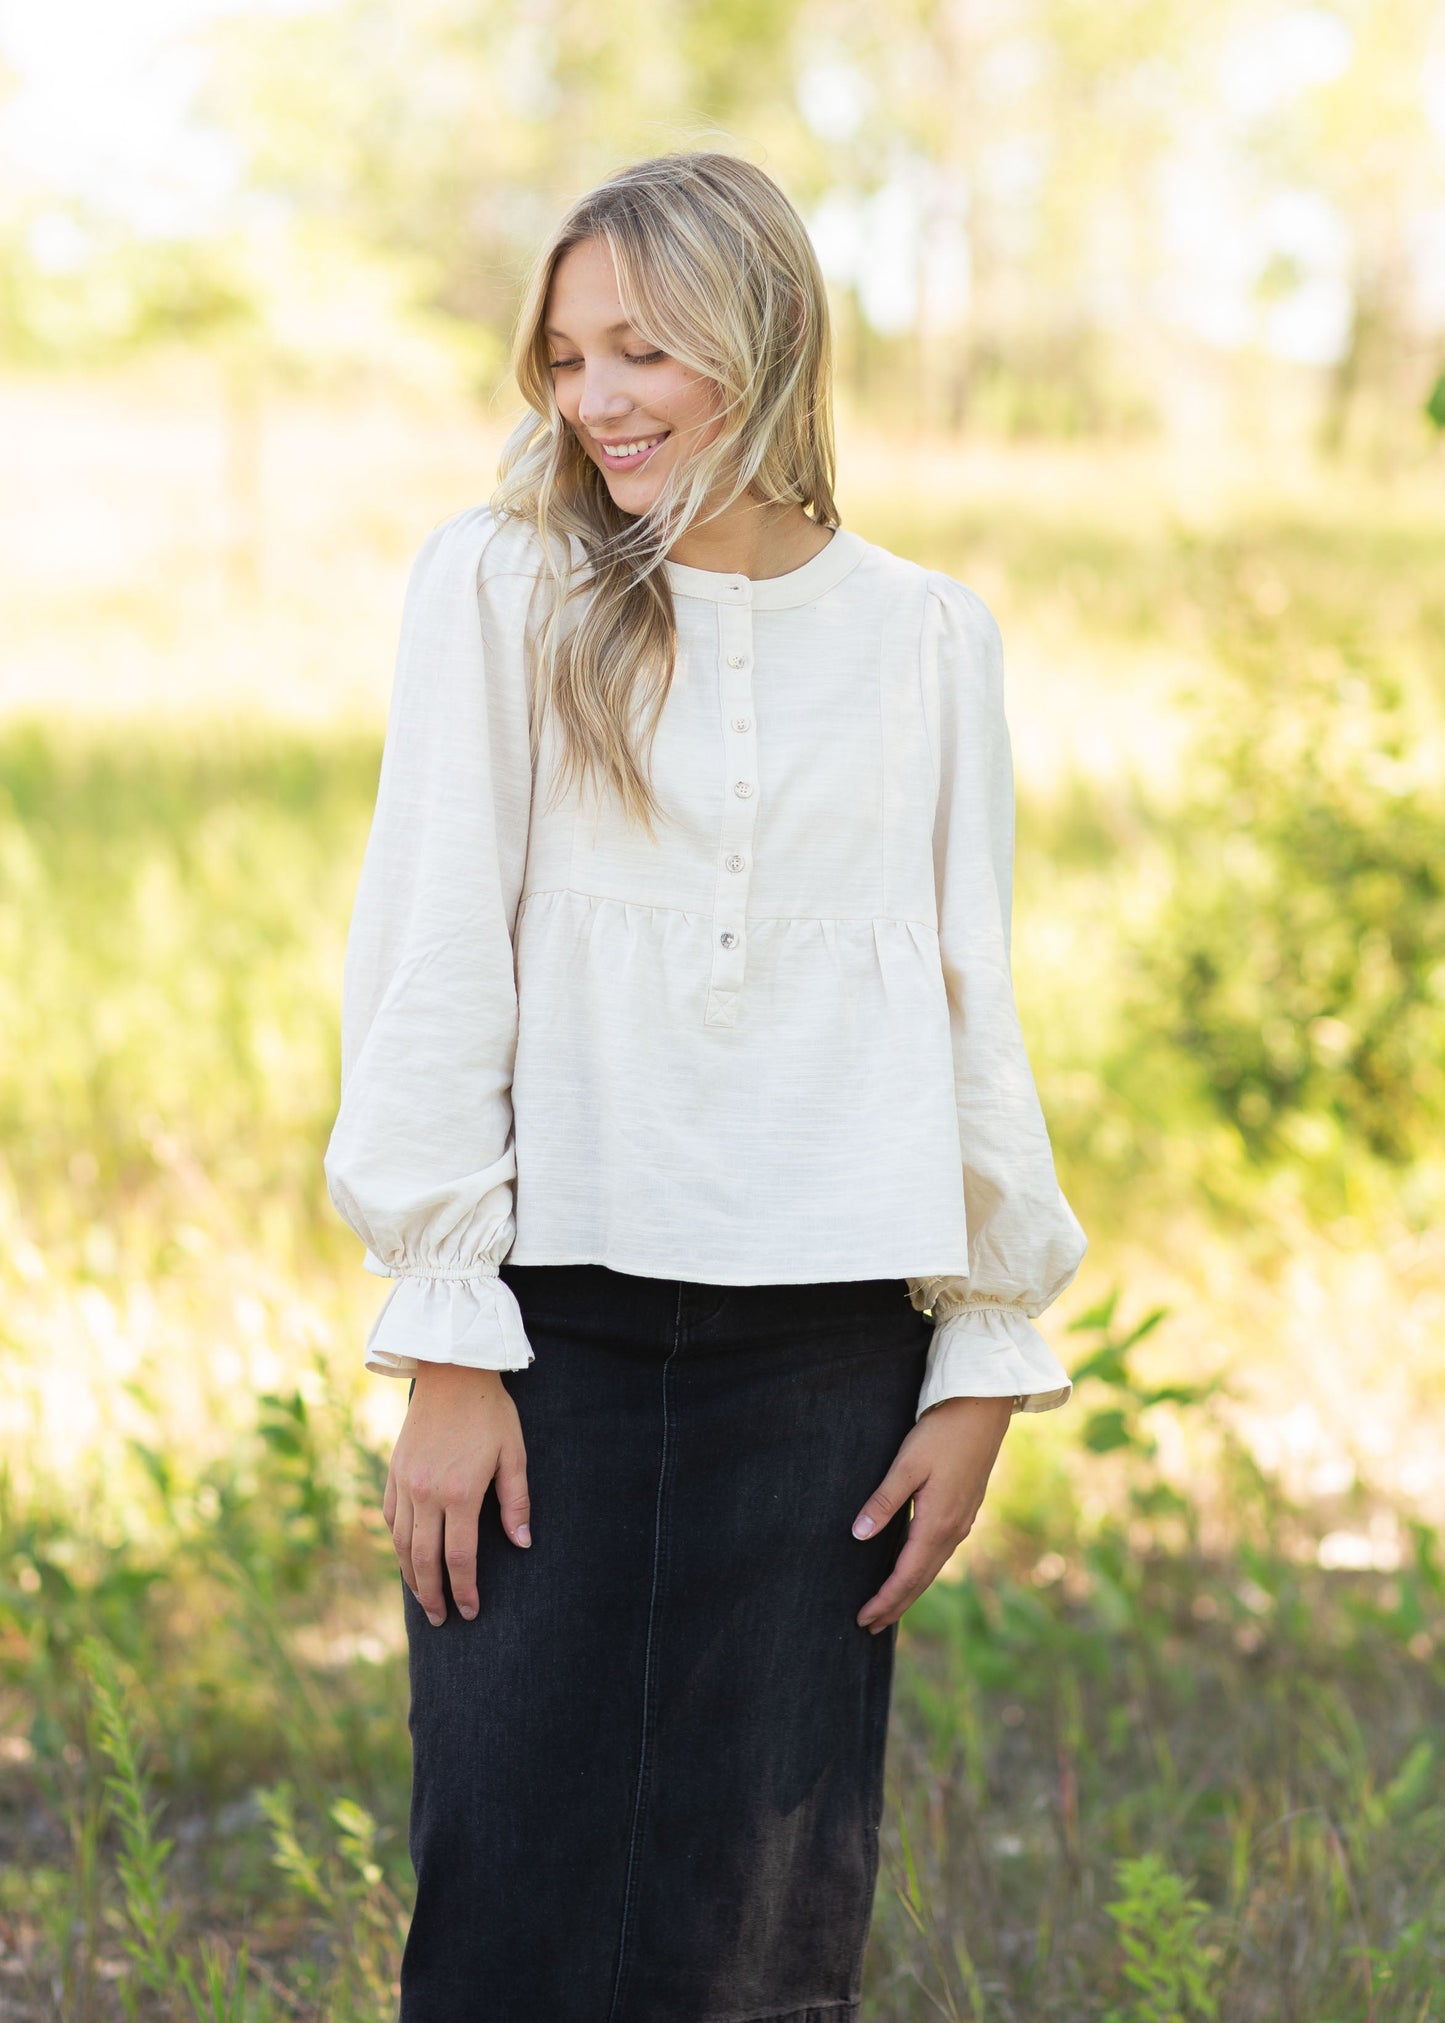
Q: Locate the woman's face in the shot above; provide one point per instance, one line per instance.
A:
(636, 411)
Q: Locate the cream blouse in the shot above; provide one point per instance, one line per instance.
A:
(779, 1044)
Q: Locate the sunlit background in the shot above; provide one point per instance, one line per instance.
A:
(1140, 328)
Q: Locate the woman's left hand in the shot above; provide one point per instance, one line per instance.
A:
(944, 1465)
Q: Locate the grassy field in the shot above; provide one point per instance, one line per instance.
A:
(1166, 1738)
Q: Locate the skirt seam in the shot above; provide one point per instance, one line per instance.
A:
(629, 1894)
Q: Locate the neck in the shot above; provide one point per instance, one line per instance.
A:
(752, 539)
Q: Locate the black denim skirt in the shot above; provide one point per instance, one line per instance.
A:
(648, 1778)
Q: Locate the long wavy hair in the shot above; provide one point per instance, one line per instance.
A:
(714, 266)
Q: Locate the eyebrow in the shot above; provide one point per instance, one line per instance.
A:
(611, 330)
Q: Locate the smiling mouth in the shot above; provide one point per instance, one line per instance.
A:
(627, 456)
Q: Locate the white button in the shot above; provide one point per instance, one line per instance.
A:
(743, 787)
(742, 723)
(728, 938)
(737, 660)
(735, 863)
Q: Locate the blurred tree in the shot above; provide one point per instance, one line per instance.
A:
(454, 131)
(1049, 119)
(1362, 138)
(992, 184)
(451, 133)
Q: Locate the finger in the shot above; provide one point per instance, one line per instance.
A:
(917, 1566)
(512, 1497)
(892, 1494)
(388, 1501)
(461, 1555)
(402, 1525)
(426, 1561)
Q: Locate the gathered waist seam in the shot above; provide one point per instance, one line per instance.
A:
(705, 914)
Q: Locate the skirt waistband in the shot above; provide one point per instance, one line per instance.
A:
(609, 1299)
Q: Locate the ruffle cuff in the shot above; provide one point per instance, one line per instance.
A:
(472, 1319)
(981, 1351)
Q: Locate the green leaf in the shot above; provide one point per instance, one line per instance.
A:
(1145, 1327)
(1097, 1316)
(1412, 1781)
(1104, 1431)
(1173, 1394)
(1107, 1364)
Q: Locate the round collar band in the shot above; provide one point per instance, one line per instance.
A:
(773, 593)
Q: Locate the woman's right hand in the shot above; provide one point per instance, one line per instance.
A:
(461, 1429)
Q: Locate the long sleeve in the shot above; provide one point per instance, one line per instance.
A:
(421, 1161)
(1024, 1242)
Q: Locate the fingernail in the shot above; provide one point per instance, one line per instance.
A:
(469, 1612)
(863, 1527)
(874, 1628)
(524, 1534)
(435, 1621)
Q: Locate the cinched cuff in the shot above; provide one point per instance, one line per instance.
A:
(431, 1317)
(983, 1351)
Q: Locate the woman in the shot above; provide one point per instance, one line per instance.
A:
(684, 1098)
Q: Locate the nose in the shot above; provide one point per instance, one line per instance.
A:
(602, 401)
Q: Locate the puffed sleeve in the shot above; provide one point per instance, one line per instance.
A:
(421, 1161)
(1024, 1242)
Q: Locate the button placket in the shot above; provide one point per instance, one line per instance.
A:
(739, 811)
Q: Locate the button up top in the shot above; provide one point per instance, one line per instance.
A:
(778, 1043)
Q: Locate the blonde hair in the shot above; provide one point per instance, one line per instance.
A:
(714, 266)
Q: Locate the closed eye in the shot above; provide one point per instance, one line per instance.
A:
(566, 364)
